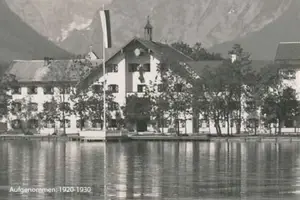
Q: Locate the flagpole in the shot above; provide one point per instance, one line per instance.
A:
(104, 112)
(104, 84)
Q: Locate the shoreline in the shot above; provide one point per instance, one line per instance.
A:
(158, 138)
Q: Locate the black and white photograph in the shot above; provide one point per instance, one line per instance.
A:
(150, 99)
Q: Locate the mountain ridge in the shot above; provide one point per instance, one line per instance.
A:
(19, 41)
(210, 22)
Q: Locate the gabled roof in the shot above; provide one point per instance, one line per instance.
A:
(41, 71)
(33, 70)
(161, 51)
(288, 51)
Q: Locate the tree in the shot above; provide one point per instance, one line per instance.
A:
(197, 52)
(25, 115)
(281, 106)
(136, 109)
(6, 82)
(169, 94)
(256, 89)
(65, 74)
(50, 113)
(214, 94)
(239, 70)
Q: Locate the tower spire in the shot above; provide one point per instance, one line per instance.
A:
(148, 30)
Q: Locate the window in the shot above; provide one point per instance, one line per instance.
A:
(113, 106)
(163, 123)
(16, 124)
(223, 123)
(48, 90)
(161, 88)
(141, 88)
(146, 67)
(97, 88)
(16, 107)
(67, 124)
(97, 123)
(49, 124)
(288, 74)
(49, 106)
(232, 123)
(207, 123)
(65, 90)
(252, 123)
(112, 123)
(112, 68)
(133, 67)
(250, 105)
(200, 123)
(33, 107)
(64, 106)
(182, 122)
(80, 123)
(178, 87)
(16, 90)
(113, 88)
(33, 123)
(289, 123)
(32, 90)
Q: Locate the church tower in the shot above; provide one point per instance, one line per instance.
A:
(148, 30)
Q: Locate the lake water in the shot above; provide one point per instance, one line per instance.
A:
(151, 170)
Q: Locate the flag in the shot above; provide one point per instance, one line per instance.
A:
(105, 21)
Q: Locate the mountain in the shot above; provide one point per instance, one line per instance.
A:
(76, 25)
(263, 44)
(19, 41)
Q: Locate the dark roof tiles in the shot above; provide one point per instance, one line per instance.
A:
(288, 51)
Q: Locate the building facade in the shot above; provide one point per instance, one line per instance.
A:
(124, 77)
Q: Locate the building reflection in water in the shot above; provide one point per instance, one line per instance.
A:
(153, 170)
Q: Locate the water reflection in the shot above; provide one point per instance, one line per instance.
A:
(152, 170)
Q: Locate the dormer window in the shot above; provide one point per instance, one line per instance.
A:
(16, 90)
(113, 88)
(32, 90)
(133, 67)
(112, 68)
(48, 90)
(288, 74)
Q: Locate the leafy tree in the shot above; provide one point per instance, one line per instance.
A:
(25, 114)
(66, 74)
(196, 52)
(236, 80)
(214, 94)
(136, 109)
(169, 94)
(6, 81)
(280, 106)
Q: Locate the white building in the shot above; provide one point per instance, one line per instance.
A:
(36, 85)
(123, 75)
